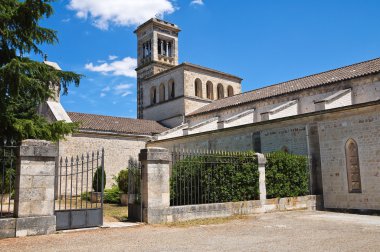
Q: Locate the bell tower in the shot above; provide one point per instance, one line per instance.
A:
(157, 51)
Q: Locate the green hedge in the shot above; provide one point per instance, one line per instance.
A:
(112, 195)
(215, 178)
(287, 175)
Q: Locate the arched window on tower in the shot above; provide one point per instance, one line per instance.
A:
(230, 91)
(162, 92)
(171, 89)
(210, 90)
(353, 167)
(153, 95)
(220, 91)
(198, 88)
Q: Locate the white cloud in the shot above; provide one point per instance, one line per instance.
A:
(125, 67)
(112, 57)
(120, 12)
(197, 2)
(106, 89)
(123, 89)
(65, 20)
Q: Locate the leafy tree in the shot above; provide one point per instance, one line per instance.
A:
(24, 83)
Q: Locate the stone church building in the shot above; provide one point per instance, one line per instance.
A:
(332, 117)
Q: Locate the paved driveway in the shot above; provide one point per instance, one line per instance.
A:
(286, 231)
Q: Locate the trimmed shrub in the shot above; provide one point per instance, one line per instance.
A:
(122, 180)
(287, 175)
(97, 182)
(215, 178)
(112, 195)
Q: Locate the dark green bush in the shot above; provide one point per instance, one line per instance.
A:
(7, 184)
(112, 195)
(287, 175)
(85, 196)
(97, 182)
(215, 178)
(122, 180)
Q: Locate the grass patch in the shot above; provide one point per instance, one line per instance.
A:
(208, 221)
(115, 213)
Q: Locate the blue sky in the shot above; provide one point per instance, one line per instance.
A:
(263, 42)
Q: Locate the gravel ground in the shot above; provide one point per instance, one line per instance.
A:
(285, 231)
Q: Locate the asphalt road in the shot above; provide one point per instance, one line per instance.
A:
(285, 231)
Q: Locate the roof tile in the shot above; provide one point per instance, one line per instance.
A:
(315, 80)
(116, 124)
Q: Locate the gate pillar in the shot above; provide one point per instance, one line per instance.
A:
(34, 193)
(155, 183)
(261, 160)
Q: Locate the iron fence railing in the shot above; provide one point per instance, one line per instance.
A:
(7, 178)
(212, 177)
(76, 187)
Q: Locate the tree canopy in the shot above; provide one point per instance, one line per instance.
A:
(24, 83)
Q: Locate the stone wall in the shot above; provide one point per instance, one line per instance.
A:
(185, 100)
(306, 135)
(118, 150)
(217, 210)
(165, 110)
(165, 78)
(191, 74)
(264, 137)
(363, 89)
(364, 128)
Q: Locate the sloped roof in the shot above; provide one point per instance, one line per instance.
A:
(116, 124)
(315, 80)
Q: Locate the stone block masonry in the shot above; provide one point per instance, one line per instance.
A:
(34, 191)
(364, 129)
(155, 183)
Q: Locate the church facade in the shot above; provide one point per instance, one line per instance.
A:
(332, 117)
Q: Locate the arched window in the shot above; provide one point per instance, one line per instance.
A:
(153, 95)
(210, 90)
(198, 87)
(352, 166)
(162, 93)
(171, 89)
(220, 91)
(230, 91)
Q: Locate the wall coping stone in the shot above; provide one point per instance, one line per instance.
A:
(334, 96)
(281, 107)
(154, 154)
(38, 148)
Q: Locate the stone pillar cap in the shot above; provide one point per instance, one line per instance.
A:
(154, 154)
(261, 159)
(38, 148)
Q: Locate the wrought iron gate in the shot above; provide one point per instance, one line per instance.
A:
(7, 177)
(134, 191)
(79, 191)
